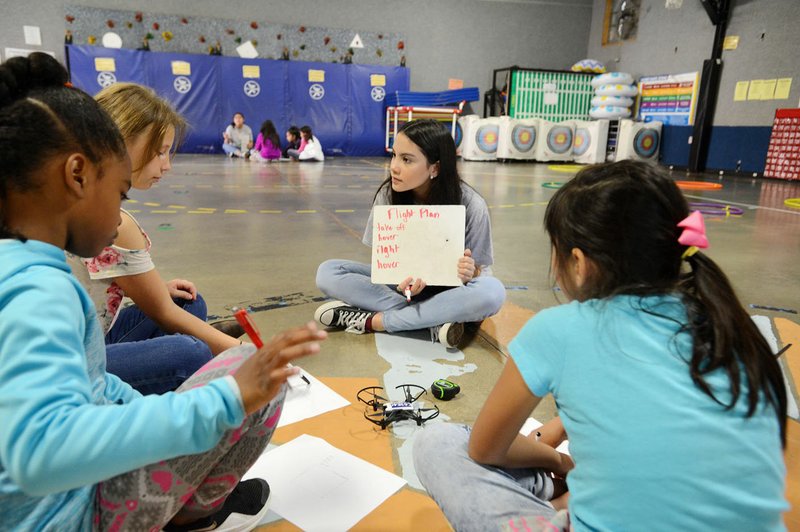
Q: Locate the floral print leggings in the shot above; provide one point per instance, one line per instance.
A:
(148, 498)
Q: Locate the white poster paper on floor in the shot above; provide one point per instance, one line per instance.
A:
(316, 486)
(306, 400)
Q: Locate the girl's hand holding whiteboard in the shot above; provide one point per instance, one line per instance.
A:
(416, 286)
(466, 267)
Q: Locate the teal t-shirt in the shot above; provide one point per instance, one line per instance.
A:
(651, 450)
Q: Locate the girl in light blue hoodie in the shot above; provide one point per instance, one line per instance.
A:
(80, 449)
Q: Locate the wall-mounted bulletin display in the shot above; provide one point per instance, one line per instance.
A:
(670, 99)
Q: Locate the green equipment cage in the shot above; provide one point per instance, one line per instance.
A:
(553, 95)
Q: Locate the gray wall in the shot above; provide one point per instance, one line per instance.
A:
(676, 41)
(464, 39)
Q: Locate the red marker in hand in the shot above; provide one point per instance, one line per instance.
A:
(249, 327)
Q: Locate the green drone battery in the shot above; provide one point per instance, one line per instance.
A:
(444, 389)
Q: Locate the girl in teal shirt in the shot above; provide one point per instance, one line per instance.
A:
(674, 404)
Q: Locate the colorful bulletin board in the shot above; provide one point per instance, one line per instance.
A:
(783, 154)
(670, 99)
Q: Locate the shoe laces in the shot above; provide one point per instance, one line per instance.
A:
(435, 333)
(353, 320)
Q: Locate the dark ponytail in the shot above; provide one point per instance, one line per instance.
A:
(308, 132)
(726, 338)
(39, 110)
(624, 217)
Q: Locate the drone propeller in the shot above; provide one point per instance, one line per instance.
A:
(369, 396)
(433, 413)
(412, 392)
(377, 418)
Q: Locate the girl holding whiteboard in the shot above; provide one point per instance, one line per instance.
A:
(422, 172)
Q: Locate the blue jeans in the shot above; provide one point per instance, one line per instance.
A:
(350, 281)
(474, 496)
(149, 359)
(231, 149)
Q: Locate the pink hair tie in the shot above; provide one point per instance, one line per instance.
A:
(693, 235)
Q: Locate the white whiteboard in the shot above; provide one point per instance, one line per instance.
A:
(419, 241)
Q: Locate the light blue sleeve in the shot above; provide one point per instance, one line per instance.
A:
(537, 350)
(119, 391)
(52, 436)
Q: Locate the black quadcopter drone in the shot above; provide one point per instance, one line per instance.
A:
(383, 412)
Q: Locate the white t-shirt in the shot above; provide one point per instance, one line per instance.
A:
(312, 151)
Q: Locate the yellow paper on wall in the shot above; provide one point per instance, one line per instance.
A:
(316, 76)
(181, 68)
(755, 89)
(782, 88)
(377, 80)
(731, 42)
(453, 84)
(768, 89)
(105, 64)
(740, 93)
(251, 71)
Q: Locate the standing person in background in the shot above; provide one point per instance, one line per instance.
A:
(268, 145)
(237, 137)
(310, 148)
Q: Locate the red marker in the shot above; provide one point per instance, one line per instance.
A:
(249, 327)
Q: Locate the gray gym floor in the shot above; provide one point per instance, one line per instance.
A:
(252, 234)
